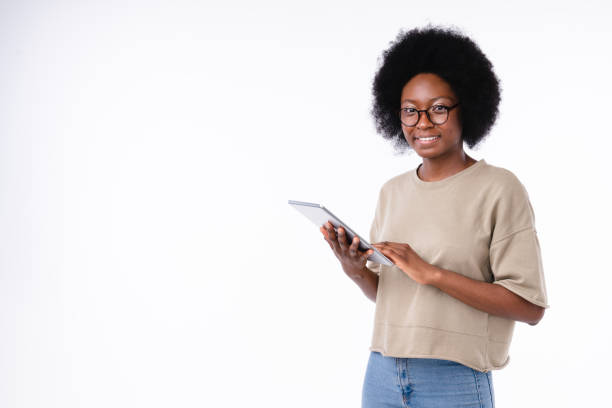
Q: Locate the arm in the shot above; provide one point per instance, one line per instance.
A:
(488, 297)
(353, 261)
(367, 281)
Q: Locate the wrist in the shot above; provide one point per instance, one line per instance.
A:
(357, 274)
(434, 274)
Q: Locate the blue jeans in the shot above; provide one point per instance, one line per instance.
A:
(424, 383)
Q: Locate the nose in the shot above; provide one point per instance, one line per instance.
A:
(424, 121)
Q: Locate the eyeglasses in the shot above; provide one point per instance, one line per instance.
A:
(437, 114)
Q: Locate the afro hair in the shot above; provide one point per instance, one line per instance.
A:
(452, 56)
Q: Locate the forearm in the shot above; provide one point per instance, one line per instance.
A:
(488, 297)
(367, 281)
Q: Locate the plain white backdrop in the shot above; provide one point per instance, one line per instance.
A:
(148, 256)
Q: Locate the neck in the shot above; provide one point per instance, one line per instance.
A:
(439, 168)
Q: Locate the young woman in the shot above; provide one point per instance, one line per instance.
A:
(460, 232)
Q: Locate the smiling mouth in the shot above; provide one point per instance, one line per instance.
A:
(427, 139)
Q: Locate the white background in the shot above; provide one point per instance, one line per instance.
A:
(147, 152)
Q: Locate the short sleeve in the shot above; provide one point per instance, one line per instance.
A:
(514, 253)
(516, 263)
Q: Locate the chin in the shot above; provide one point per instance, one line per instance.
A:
(427, 153)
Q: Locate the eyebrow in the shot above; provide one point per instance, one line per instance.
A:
(432, 99)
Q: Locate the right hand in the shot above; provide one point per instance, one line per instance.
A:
(352, 259)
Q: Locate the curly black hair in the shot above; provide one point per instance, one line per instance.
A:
(452, 56)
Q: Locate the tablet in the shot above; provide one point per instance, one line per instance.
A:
(320, 215)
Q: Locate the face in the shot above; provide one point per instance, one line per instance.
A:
(422, 92)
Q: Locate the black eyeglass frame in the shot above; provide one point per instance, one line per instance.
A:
(448, 109)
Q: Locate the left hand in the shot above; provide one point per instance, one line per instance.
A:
(404, 257)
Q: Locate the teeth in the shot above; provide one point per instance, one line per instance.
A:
(427, 138)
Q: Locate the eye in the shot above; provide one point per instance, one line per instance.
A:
(408, 111)
(438, 109)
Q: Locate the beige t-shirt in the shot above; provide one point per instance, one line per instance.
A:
(478, 222)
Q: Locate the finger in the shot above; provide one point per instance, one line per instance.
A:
(392, 258)
(385, 250)
(330, 230)
(367, 254)
(325, 237)
(354, 246)
(389, 254)
(342, 238)
(387, 245)
(332, 236)
(393, 250)
(392, 254)
(397, 245)
(381, 249)
(400, 250)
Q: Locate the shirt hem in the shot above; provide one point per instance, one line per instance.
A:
(442, 357)
(474, 351)
(517, 291)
